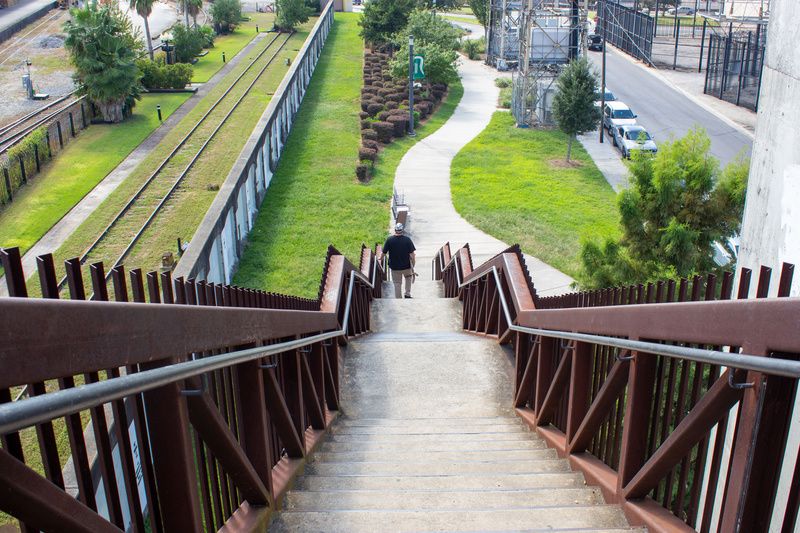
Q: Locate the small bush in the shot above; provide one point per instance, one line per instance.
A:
(158, 75)
(502, 82)
(399, 124)
(384, 131)
(369, 134)
(365, 124)
(188, 42)
(365, 104)
(391, 105)
(383, 115)
(504, 100)
(373, 109)
(471, 48)
(364, 171)
(372, 145)
(363, 115)
(367, 153)
(208, 34)
(226, 15)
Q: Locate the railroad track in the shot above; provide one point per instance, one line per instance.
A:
(15, 132)
(129, 219)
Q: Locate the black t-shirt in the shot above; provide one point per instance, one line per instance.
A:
(399, 248)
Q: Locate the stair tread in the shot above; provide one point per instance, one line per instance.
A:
(437, 468)
(592, 516)
(411, 456)
(435, 446)
(434, 482)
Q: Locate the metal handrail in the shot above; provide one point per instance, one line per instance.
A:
(766, 365)
(38, 409)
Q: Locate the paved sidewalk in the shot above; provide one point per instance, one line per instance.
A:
(59, 233)
(607, 159)
(423, 176)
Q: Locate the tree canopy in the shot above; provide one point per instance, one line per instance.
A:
(440, 63)
(103, 47)
(678, 205)
(480, 8)
(382, 19)
(226, 15)
(428, 29)
(290, 13)
(574, 106)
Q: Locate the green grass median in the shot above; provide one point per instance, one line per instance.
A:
(74, 172)
(315, 199)
(231, 44)
(513, 184)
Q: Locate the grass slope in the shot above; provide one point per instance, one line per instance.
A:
(76, 170)
(503, 182)
(231, 44)
(315, 199)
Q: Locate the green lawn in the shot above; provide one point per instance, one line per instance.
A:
(315, 199)
(512, 184)
(75, 171)
(231, 44)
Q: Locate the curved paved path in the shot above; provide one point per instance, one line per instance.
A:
(423, 176)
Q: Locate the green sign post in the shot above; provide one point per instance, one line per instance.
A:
(419, 67)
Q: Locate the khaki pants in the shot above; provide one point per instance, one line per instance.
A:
(397, 279)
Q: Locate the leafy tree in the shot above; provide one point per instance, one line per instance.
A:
(226, 15)
(314, 5)
(480, 8)
(290, 13)
(574, 106)
(679, 204)
(440, 5)
(144, 8)
(104, 48)
(382, 19)
(440, 63)
(192, 8)
(428, 29)
(188, 42)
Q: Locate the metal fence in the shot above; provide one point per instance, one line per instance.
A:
(215, 249)
(629, 30)
(734, 67)
(653, 423)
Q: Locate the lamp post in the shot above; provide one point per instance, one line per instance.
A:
(603, 71)
(411, 132)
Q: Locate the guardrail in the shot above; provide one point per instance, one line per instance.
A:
(203, 403)
(682, 412)
(215, 248)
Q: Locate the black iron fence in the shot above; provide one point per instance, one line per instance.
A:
(629, 30)
(734, 66)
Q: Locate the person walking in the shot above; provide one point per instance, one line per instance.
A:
(401, 251)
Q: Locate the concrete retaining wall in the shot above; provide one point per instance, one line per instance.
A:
(214, 251)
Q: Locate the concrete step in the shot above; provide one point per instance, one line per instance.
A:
(435, 314)
(535, 519)
(424, 429)
(411, 456)
(552, 480)
(430, 437)
(422, 289)
(437, 469)
(441, 445)
(439, 422)
(439, 500)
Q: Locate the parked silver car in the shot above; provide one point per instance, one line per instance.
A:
(616, 114)
(632, 137)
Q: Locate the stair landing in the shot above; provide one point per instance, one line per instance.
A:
(427, 439)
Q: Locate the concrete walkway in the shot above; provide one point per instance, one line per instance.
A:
(59, 233)
(423, 177)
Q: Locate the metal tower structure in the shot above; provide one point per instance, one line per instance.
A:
(550, 36)
(505, 20)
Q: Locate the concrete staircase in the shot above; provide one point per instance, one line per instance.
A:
(428, 440)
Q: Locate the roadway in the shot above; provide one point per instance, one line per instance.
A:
(665, 111)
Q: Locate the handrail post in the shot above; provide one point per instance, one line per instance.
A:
(173, 458)
(579, 386)
(641, 383)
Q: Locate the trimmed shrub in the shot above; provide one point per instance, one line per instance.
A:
(391, 105)
(384, 131)
(399, 124)
(372, 145)
(384, 92)
(377, 83)
(365, 104)
(157, 75)
(383, 115)
(369, 134)
(363, 115)
(373, 109)
(367, 153)
(364, 170)
(365, 124)
(502, 82)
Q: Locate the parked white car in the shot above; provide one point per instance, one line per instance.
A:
(633, 137)
(681, 11)
(617, 114)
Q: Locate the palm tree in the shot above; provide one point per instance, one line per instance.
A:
(193, 8)
(144, 8)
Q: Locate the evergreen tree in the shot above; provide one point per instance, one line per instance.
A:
(104, 48)
(574, 106)
(678, 205)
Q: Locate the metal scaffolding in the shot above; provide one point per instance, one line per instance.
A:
(505, 20)
(550, 36)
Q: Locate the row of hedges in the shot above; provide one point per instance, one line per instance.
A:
(158, 75)
(384, 108)
(21, 162)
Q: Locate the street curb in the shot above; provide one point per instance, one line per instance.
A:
(690, 96)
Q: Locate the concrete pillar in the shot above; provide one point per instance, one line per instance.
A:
(771, 225)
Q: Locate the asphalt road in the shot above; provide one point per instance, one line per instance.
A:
(666, 112)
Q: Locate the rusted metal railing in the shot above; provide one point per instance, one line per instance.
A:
(201, 404)
(681, 411)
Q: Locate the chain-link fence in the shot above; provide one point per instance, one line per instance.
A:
(734, 66)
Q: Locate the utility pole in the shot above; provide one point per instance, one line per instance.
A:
(411, 132)
(603, 71)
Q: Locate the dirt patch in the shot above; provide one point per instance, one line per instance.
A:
(563, 163)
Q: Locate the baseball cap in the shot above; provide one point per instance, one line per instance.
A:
(399, 226)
